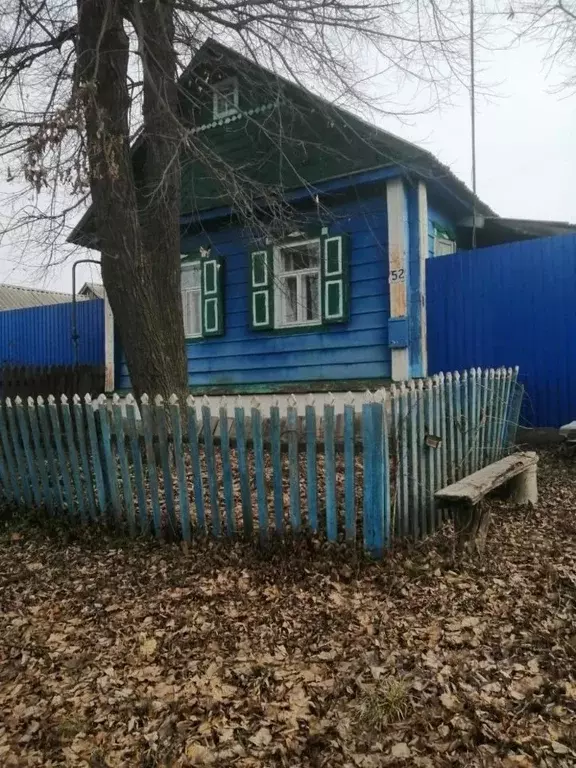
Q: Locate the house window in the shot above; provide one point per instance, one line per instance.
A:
(225, 98)
(191, 287)
(443, 246)
(201, 284)
(300, 284)
(297, 284)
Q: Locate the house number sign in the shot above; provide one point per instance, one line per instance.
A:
(397, 275)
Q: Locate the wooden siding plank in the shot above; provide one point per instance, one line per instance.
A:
(422, 474)
(47, 495)
(311, 469)
(83, 448)
(73, 456)
(109, 459)
(148, 429)
(23, 437)
(276, 468)
(118, 424)
(395, 418)
(137, 463)
(369, 470)
(256, 417)
(430, 455)
(176, 421)
(467, 426)
(414, 494)
(20, 460)
(403, 468)
(160, 416)
(211, 468)
(330, 473)
(459, 426)
(292, 428)
(94, 452)
(242, 457)
(196, 466)
(11, 459)
(228, 487)
(349, 472)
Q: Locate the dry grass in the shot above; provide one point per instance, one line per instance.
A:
(384, 703)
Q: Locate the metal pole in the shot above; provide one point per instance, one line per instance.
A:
(473, 120)
(75, 335)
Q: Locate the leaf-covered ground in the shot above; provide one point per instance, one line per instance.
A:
(137, 654)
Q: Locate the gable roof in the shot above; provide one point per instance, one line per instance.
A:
(21, 297)
(386, 149)
(92, 291)
(342, 144)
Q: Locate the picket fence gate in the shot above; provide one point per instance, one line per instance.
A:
(165, 468)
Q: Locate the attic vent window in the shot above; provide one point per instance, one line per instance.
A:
(225, 98)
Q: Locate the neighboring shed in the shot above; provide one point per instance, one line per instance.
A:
(91, 291)
(20, 297)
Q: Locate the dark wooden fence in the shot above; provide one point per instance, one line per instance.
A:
(32, 380)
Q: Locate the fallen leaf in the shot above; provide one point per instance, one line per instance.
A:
(401, 750)
(261, 738)
(148, 646)
(198, 754)
(527, 685)
(559, 748)
(450, 702)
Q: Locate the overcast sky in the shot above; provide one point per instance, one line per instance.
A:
(526, 153)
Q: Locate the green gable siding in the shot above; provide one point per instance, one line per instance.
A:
(279, 148)
(283, 138)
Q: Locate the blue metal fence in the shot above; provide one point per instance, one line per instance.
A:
(367, 471)
(42, 336)
(514, 302)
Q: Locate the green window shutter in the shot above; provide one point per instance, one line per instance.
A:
(335, 287)
(212, 297)
(262, 289)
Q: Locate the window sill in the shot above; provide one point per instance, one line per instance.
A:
(297, 326)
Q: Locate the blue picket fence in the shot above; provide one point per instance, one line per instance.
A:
(367, 471)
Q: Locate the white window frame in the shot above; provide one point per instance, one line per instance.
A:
(188, 266)
(443, 246)
(279, 297)
(231, 109)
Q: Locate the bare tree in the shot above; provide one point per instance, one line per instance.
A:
(85, 85)
(552, 23)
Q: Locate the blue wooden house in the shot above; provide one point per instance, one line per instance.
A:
(322, 285)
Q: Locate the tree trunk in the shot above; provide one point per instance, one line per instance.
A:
(138, 229)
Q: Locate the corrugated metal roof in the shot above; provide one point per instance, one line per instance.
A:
(20, 297)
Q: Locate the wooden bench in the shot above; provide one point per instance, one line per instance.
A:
(517, 472)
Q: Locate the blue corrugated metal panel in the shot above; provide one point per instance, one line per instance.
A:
(357, 349)
(43, 335)
(511, 304)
